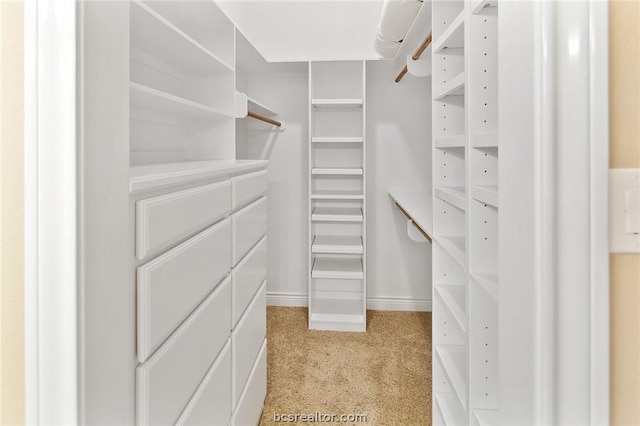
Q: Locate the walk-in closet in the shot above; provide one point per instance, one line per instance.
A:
(374, 212)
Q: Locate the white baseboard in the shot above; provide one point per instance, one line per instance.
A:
(373, 303)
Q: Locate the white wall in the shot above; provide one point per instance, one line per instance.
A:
(399, 150)
(398, 157)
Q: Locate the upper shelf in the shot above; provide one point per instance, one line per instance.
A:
(259, 107)
(453, 87)
(453, 36)
(336, 102)
(153, 34)
(418, 206)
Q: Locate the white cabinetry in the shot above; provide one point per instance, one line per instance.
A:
(337, 196)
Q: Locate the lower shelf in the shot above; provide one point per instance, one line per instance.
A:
(337, 244)
(450, 409)
(337, 314)
(334, 268)
(453, 359)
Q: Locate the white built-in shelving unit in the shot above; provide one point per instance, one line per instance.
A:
(465, 212)
(337, 196)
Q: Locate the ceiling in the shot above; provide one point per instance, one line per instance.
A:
(307, 30)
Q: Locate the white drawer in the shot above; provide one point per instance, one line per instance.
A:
(246, 340)
(211, 404)
(246, 278)
(247, 188)
(249, 225)
(172, 285)
(248, 410)
(163, 220)
(168, 379)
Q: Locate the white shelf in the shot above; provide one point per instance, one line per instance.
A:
(342, 194)
(337, 214)
(453, 36)
(418, 205)
(260, 108)
(453, 296)
(155, 176)
(337, 139)
(337, 244)
(455, 246)
(347, 311)
(450, 142)
(155, 35)
(485, 194)
(453, 87)
(336, 268)
(454, 360)
(477, 6)
(486, 140)
(487, 281)
(337, 171)
(450, 409)
(336, 103)
(147, 98)
(487, 417)
(453, 195)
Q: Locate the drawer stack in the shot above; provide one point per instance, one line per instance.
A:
(201, 303)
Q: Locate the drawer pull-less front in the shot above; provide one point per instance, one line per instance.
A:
(247, 188)
(247, 277)
(249, 408)
(164, 220)
(167, 380)
(170, 286)
(249, 225)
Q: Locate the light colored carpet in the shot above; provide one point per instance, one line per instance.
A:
(384, 373)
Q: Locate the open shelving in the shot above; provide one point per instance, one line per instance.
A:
(454, 362)
(337, 139)
(336, 103)
(337, 268)
(337, 194)
(337, 244)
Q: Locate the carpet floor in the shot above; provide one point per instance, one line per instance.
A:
(384, 374)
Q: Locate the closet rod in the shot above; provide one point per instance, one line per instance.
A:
(263, 118)
(416, 56)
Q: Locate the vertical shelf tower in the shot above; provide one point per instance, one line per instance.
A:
(337, 196)
(465, 212)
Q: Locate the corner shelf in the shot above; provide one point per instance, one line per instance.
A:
(336, 268)
(337, 214)
(453, 195)
(454, 360)
(337, 103)
(453, 87)
(453, 36)
(337, 244)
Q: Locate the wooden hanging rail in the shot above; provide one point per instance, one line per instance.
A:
(415, 56)
(263, 118)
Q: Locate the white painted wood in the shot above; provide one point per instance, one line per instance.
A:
(156, 176)
(248, 410)
(247, 277)
(172, 285)
(247, 188)
(166, 382)
(337, 214)
(450, 142)
(453, 195)
(454, 246)
(260, 108)
(454, 298)
(337, 139)
(336, 171)
(337, 244)
(489, 140)
(163, 220)
(453, 36)
(486, 194)
(337, 314)
(418, 205)
(454, 361)
(453, 87)
(420, 67)
(249, 225)
(487, 417)
(336, 103)
(449, 409)
(488, 281)
(337, 194)
(211, 404)
(337, 268)
(247, 339)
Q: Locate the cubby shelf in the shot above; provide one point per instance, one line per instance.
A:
(448, 406)
(337, 214)
(337, 139)
(337, 194)
(453, 359)
(487, 194)
(337, 171)
(155, 35)
(337, 268)
(487, 417)
(453, 195)
(450, 142)
(147, 98)
(454, 246)
(453, 36)
(337, 103)
(453, 297)
(486, 140)
(488, 281)
(453, 87)
(337, 244)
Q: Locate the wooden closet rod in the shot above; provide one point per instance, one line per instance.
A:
(263, 118)
(416, 56)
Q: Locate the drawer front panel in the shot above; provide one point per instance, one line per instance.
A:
(247, 339)
(249, 225)
(248, 188)
(211, 405)
(171, 286)
(247, 277)
(163, 220)
(167, 380)
(248, 410)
